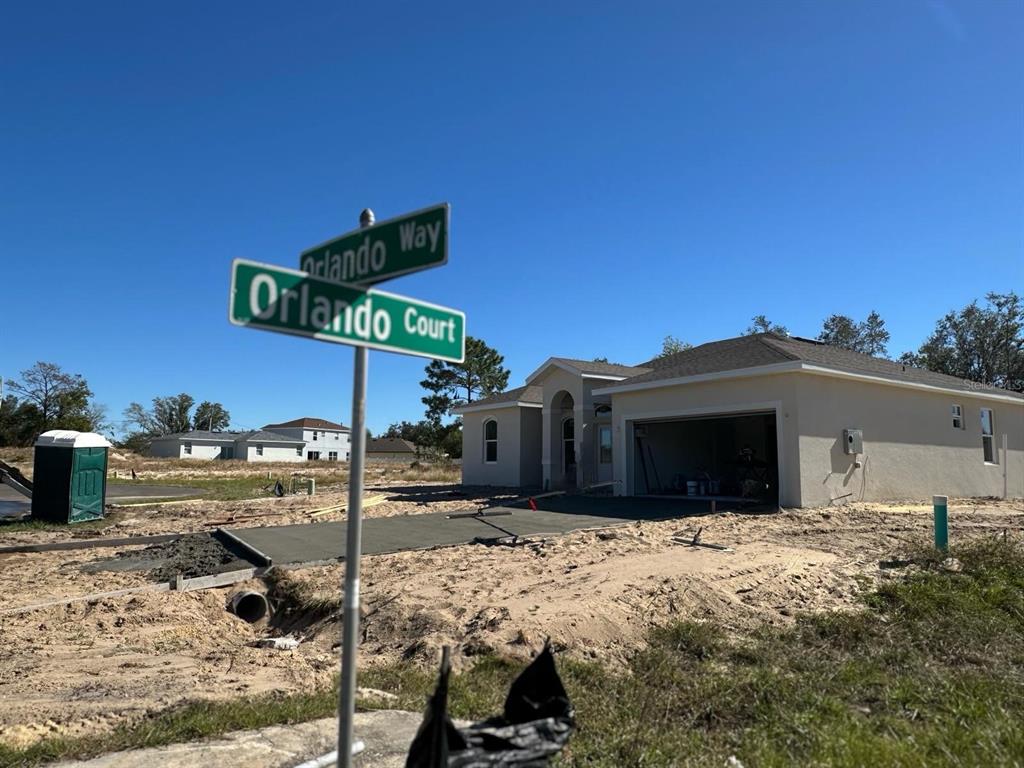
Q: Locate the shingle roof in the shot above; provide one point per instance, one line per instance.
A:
(202, 434)
(527, 394)
(390, 445)
(265, 436)
(599, 368)
(768, 348)
(309, 423)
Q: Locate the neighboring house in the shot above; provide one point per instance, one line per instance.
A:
(325, 440)
(766, 416)
(257, 445)
(391, 448)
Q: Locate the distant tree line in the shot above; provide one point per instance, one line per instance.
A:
(170, 415)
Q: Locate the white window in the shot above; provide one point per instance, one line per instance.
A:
(332, 455)
(259, 449)
(298, 450)
(988, 447)
(314, 434)
(958, 416)
(490, 441)
(188, 449)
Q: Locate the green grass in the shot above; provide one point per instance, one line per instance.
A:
(929, 673)
(233, 487)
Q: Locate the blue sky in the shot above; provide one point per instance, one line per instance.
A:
(617, 172)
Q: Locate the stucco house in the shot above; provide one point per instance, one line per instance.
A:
(766, 416)
(255, 445)
(325, 440)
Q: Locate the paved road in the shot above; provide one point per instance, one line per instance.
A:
(316, 542)
(13, 504)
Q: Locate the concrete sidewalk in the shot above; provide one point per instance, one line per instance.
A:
(386, 733)
(319, 542)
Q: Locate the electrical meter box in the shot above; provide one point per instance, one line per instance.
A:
(853, 441)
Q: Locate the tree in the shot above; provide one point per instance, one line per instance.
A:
(50, 398)
(983, 344)
(670, 345)
(424, 432)
(761, 324)
(210, 416)
(453, 384)
(868, 337)
(168, 415)
(61, 399)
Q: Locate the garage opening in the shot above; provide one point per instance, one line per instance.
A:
(732, 456)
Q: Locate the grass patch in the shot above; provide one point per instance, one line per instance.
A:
(929, 673)
(187, 723)
(232, 487)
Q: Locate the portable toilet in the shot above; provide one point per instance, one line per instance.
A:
(69, 477)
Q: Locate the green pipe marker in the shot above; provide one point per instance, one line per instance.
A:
(941, 529)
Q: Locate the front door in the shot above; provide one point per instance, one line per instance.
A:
(604, 453)
(88, 483)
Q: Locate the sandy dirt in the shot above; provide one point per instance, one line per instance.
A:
(88, 667)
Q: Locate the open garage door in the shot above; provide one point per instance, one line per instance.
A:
(718, 456)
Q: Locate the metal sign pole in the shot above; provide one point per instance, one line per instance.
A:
(353, 550)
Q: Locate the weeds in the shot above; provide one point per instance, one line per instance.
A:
(929, 673)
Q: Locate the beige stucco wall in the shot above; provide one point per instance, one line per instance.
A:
(530, 432)
(503, 472)
(911, 449)
(773, 392)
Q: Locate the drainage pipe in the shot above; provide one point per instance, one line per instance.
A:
(248, 606)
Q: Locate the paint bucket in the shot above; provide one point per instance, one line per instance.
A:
(691, 487)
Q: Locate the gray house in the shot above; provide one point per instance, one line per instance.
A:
(764, 416)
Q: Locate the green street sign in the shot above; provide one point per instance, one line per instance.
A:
(398, 246)
(289, 301)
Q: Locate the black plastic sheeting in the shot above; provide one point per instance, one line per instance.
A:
(536, 724)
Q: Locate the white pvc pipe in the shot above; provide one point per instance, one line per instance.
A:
(331, 758)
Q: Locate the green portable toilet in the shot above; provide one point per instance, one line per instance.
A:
(69, 477)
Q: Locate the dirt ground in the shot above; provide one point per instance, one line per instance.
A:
(90, 666)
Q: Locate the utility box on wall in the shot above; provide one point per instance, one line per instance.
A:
(69, 476)
(853, 441)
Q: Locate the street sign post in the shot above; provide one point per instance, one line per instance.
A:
(398, 246)
(290, 301)
(329, 300)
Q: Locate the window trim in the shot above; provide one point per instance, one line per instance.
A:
(957, 414)
(332, 455)
(488, 440)
(298, 450)
(188, 449)
(990, 436)
(259, 449)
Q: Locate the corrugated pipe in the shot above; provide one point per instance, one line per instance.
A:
(248, 606)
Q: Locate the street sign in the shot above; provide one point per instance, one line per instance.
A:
(398, 246)
(289, 301)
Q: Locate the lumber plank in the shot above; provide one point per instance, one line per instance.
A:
(55, 546)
